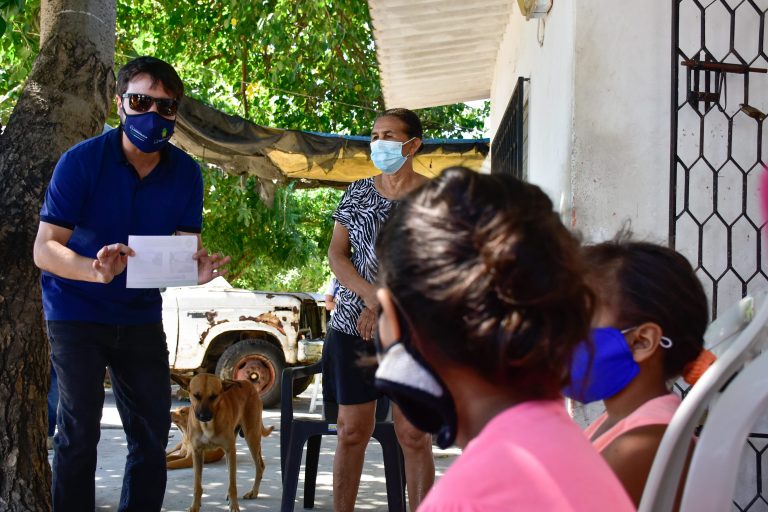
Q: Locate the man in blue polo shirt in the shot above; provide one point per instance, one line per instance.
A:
(128, 181)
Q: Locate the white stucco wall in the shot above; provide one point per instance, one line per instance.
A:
(598, 130)
(621, 118)
(551, 72)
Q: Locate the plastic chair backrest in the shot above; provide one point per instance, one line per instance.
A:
(714, 468)
(722, 332)
(738, 335)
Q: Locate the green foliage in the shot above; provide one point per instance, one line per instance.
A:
(454, 121)
(19, 36)
(8, 9)
(299, 64)
(303, 60)
(280, 248)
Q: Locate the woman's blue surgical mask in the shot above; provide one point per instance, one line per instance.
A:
(148, 131)
(387, 155)
(606, 371)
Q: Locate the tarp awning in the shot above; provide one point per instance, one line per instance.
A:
(245, 148)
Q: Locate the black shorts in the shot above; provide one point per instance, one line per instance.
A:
(349, 366)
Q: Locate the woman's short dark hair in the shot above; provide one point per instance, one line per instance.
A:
(651, 283)
(409, 118)
(159, 70)
(488, 278)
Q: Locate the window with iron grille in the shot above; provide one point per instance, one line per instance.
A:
(508, 150)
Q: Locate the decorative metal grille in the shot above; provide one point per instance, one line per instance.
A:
(718, 143)
(508, 147)
(718, 150)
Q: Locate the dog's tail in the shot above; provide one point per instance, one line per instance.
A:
(266, 431)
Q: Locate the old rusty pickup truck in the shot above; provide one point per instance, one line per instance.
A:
(242, 334)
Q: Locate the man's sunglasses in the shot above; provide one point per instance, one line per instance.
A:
(143, 102)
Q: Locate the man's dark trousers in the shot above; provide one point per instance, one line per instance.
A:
(137, 359)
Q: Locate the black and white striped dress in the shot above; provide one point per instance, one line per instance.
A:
(362, 210)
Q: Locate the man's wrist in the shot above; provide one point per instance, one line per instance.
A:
(95, 276)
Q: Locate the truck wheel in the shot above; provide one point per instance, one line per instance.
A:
(257, 361)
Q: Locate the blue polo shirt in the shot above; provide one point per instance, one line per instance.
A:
(97, 194)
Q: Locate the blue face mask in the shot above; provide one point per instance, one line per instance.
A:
(387, 155)
(612, 368)
(148, 131)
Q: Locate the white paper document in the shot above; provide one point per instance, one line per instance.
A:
(162, 261)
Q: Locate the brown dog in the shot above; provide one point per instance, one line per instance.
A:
(219, 408)
(180, 457)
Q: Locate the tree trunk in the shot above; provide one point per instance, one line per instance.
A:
(65, 100)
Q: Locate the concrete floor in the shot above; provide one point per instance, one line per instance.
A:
(178, 496)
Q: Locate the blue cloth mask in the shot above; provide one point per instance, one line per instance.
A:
(387, 155)
(606, 372)
(415, 387)
(148, 131)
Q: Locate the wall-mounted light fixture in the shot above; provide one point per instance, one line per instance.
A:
(534, 8)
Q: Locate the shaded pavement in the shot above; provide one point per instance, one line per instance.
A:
(178, 496)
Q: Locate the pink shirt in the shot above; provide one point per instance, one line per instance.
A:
(657, 411)
(530, 457)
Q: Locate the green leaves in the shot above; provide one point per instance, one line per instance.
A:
(278, 248)
(8, 9)
(301, 64)
(303, 60)
(19, 42)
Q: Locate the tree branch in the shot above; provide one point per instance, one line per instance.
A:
(213, 58)
(244, 82)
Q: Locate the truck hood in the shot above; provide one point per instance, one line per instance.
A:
(220, 284)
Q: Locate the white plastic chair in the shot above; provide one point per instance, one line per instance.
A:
(715, 464)
(737, 337)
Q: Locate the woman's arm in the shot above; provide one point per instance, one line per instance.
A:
(339, 258)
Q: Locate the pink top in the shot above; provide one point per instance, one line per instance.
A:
(530, 457)
(657, 411)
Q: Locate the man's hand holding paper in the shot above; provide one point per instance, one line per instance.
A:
(210, 266)
(111, 261)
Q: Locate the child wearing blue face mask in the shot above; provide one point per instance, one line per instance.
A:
(648, 329)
